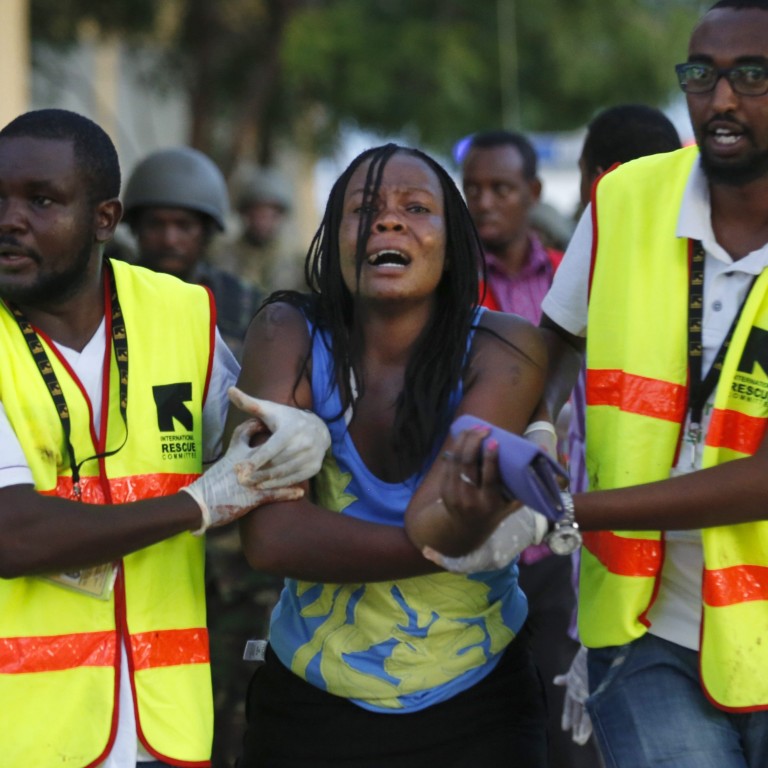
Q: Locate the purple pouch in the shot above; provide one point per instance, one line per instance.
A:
(527, 472)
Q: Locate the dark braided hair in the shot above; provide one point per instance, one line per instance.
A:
(436, 364)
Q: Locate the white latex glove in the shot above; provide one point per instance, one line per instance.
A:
(294, 451)
(575, 716)
(512, 535)
(218, 493)
(542, 433)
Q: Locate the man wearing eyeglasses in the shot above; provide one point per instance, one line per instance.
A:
(669, 270)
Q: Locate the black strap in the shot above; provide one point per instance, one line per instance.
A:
(120, 344)
(702, 388)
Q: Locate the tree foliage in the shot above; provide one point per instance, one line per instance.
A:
(432, 70)
(437, 68)
(224, 55)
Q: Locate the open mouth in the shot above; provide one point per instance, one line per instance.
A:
(388, 258)
(725, 137)
(12, 254)
(11, 248)
(723, 133)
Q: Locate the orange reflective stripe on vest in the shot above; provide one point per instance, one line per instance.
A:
(737, 584)
(636, 394)
(736, 431)
(624, 556)
(124, 488)
(164, 648)
(52, 654)
(170, 647)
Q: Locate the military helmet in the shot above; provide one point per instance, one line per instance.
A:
(180, 177)
(263, 185)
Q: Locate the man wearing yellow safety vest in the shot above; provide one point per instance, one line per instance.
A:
(113, 396)
(668, 269)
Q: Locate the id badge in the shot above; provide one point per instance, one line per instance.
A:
(97, 582)
(690, 451)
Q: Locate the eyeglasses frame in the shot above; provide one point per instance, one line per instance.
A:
(720, 72)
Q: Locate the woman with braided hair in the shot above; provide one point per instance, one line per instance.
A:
(376, 656)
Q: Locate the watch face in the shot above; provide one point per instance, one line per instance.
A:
(564, 541)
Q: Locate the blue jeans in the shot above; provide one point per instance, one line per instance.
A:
(648, 709)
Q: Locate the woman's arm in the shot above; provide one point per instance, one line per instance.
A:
(300, 539)
(504, 385)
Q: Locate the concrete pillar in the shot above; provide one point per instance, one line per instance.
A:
(14, 58)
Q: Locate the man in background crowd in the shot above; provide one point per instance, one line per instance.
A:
(175, 202)
(258, 254)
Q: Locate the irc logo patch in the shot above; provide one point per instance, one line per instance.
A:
(755, 352)
(175, 420)
(751, 381)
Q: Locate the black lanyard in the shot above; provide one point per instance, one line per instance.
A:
(120, 343)
(702, 388)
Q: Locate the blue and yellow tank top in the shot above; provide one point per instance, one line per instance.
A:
(395, 646)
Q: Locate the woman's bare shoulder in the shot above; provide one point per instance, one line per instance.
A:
(276, 353)
(276, 319)
(515, 331)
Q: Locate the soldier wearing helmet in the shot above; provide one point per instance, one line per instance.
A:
(175, 202)
(258, 253)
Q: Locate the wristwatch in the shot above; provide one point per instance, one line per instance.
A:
(564, 536)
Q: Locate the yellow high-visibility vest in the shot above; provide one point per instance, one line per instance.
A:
(60, 650)
(637, 399)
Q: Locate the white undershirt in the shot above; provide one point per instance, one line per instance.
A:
(676, 614)
(14, 470)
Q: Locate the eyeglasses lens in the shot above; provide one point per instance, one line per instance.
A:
(748, 80)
